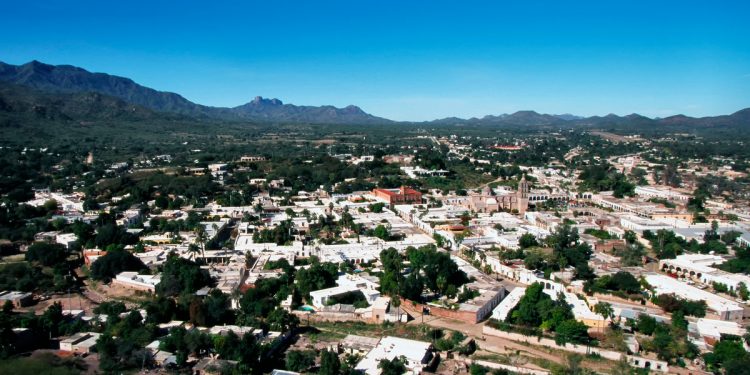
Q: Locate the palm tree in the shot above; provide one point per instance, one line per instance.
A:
(202, 237)
(604, 309)
(193, 249)
(396, 301)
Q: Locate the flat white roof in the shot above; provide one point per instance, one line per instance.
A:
(393, 347)
(667, 285)
(508, 303)
(714, 328)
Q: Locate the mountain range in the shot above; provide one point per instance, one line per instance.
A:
(68, 79)
(69, 92)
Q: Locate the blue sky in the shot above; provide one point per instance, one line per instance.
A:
(419, 60)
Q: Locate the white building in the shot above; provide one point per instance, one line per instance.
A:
(416, 353)
(346, 284)
(639, 224)
(321, 297)
(82, 342)
(711, 329)
(133, 280)
(661, 192)
(506, 305)
(699, 267)
(724, 308)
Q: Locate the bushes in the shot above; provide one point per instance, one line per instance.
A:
(110, 308)
(508, 327)
(449, 343)
(598, 233)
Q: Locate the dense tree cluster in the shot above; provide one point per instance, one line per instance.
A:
(436, 269)
(395, 366)
(536, 309)
(603, 177)
(672, 304)
(51, 323)
(118, 260)
(728, 355)
(281, 234)
(670, 343)
(665, 243)
(25, 278)
(317, 276)
(47, 254)
(180, 275)
(568, 250)
(740, 263)
(621, 283)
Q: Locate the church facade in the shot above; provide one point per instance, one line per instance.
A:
(486, 202)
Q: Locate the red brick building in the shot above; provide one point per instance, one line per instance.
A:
(402, 195)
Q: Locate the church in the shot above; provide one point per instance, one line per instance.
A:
(486, 202)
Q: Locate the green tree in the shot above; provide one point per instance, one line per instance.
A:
(604, 309)
(742, 291)
(395, 366)
(51, 319)
(527, 240)
(329, 363)
(391, 277)
(317, 276)
(180, 275)
(281, 320)
(381, 232)
(106, 267)
(47, 254)
(727, 350)
(571, 331)
(299, 360)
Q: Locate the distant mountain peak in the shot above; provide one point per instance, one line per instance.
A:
(70, 79)
(259, 100)
(568, 117)
(353, 109)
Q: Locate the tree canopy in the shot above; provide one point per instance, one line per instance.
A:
(106, 267)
